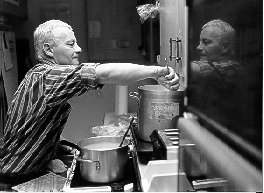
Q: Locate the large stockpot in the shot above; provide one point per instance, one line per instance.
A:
(158, 108)
(105, 164)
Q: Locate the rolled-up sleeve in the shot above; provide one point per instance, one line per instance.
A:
(88, 75)
(63, 82)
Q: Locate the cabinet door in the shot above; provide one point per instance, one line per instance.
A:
(113, 30)
(173, 29)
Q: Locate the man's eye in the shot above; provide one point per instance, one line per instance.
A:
(70, 44)
(206, 42)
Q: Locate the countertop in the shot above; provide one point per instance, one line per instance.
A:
(47, 182)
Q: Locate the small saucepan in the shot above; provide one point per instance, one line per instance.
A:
(101, 159)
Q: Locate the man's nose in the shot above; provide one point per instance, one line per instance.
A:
(199, 47)
(78, 48)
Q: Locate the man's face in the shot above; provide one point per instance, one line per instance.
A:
(67, 51)
(210, 48)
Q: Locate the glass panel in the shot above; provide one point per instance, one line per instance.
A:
(225, 64)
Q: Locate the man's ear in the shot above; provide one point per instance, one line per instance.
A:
(48, 49)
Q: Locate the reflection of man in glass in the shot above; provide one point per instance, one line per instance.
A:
(217, 80)
(216, 48)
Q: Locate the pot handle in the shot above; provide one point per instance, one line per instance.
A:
(97, 163)
(134, 95)
(70, 144)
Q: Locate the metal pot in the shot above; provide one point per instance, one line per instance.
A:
(158, 108)
(102, 164)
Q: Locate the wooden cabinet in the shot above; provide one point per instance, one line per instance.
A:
(173, 36)
(14, 8)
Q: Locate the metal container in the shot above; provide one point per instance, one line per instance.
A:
(103, 165)
(158, 108)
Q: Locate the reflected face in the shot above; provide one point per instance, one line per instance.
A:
(67, 51)
(210, 48)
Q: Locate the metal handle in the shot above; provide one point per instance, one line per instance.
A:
(129, 127)
(209, 183)
(134, 95)
(177, 57)
(91, 189)
(70, 144)
(171, 130)
(174, 133)
(97, 163)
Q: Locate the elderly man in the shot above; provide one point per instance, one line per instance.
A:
(217, 80)
(39, 110)
(216, 49)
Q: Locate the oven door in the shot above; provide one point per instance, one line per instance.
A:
(222, 126)
(211, 164)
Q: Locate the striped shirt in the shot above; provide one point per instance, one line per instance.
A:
(38, 113)
(228, 67)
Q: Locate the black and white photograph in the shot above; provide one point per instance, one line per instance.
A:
(131, 95)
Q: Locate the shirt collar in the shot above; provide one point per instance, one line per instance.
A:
(48, 62)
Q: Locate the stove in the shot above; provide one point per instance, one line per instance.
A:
(116, 186)
(75, 182)
(152, 166)
(176, 159)
(157, 162)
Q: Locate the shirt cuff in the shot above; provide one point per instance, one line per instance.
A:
(88, 76)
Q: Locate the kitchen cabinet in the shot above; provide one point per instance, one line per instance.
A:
(113, 30)
(173, 36)
(150, 35)
(14, 8)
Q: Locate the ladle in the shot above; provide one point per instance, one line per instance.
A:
(130, 124)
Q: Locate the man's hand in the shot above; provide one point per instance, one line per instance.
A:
(168, 78)
(57, 166)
